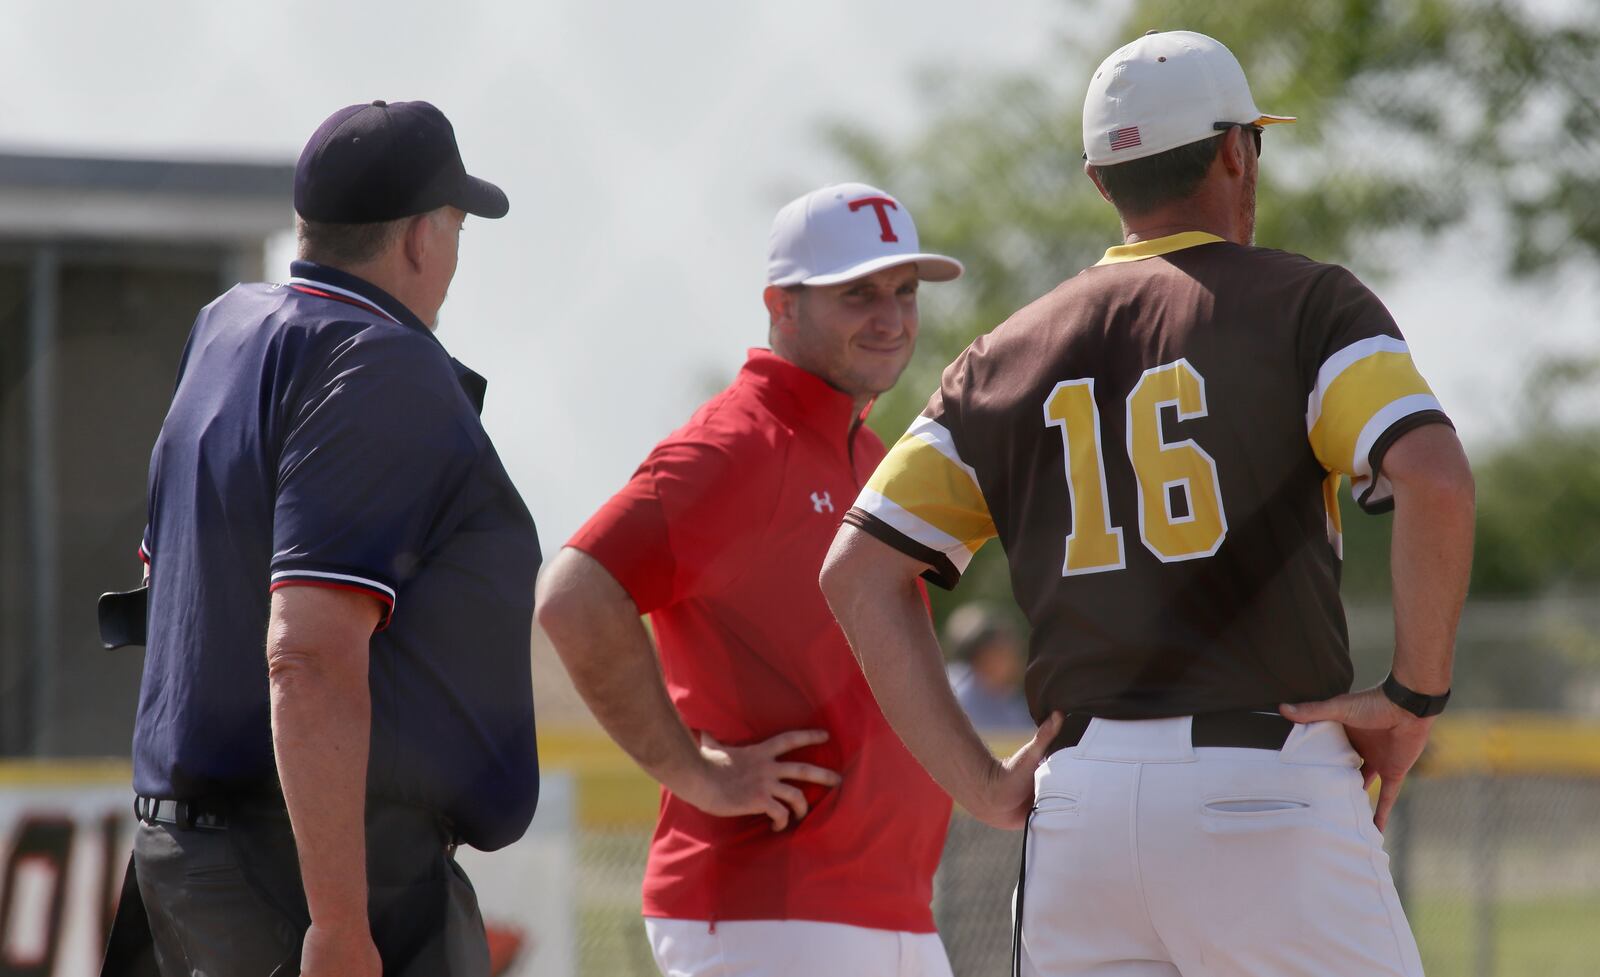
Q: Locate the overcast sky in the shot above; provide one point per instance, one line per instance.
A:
(645, 147)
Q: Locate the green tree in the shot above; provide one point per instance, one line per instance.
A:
(1415, 115)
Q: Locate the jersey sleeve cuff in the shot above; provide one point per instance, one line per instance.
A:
(1375, 495)
(628, 538)
(383, 593)
(648, 585)
(941, 569)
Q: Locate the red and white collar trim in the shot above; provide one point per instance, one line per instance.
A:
(311, 286)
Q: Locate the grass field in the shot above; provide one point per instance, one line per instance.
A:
(1550, 937)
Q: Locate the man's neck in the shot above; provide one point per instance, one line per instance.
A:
(858, 402)
(1165, 222)
(381, 275)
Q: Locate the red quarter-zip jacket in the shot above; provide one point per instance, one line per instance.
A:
(719, 537)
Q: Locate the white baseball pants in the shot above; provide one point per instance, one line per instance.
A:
(1147, 857)
(791, 948)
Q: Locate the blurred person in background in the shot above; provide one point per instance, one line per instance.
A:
(987, 659)
(796, 835)
(1158, 443)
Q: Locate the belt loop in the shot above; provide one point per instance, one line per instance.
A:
(452, 841)
(138, 808)
(185, 814)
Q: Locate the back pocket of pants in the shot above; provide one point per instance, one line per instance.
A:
(1255, 812)
(1253, 805)
(1056, 803)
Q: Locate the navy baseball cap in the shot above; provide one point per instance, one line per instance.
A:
(381, 162)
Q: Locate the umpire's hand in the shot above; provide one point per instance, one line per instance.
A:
(1388, 738)
(340, 951)
(738, 780)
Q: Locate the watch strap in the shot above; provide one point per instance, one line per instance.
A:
(1418, 704)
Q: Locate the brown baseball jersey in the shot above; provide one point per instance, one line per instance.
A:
(1158, 444)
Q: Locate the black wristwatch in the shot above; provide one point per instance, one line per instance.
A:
(1419, 705)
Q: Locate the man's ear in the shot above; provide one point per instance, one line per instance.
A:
(1094, 177)
(782, 306)
(416, 240)
(1234, 150)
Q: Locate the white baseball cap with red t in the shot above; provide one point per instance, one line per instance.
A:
(844, 232)
(1166, 89)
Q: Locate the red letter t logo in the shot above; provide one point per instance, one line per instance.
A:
(878, 204)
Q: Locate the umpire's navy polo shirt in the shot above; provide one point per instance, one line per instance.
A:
(321, 436)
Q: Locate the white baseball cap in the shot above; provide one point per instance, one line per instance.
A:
(1166, 89)
(844, 232)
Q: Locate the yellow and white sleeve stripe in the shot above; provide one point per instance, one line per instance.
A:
(1362, 392)
(926, 493)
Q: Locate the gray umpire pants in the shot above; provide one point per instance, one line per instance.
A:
(228, 902)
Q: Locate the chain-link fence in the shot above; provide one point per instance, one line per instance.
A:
(611, 936)
(1501, 875)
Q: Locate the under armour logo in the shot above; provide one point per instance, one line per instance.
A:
(821, 503)
(879, 206)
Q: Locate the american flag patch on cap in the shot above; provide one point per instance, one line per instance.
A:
(1124, 138)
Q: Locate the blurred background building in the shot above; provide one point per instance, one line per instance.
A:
(103, 265)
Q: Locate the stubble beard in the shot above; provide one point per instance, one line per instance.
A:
(1248, 207)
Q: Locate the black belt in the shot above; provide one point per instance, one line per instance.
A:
(212, 815)
(1245, 730)
(184, 814)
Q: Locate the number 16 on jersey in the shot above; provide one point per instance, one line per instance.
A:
(1164, 472)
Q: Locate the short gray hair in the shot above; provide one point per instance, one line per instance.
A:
(345, 244)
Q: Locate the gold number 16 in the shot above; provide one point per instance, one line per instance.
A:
(1158, 466)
